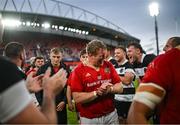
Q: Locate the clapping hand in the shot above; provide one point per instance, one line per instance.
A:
(34, 84)
(55, 83)
(104, 89)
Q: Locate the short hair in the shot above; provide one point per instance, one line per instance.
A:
(121, 47)
(38, 57)
(94, 45)
(82, 52)
(55, 50)
(13, 50)
(175, 41)
(137, 46)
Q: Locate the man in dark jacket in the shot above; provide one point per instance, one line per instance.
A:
(15, 51)
(55, 64)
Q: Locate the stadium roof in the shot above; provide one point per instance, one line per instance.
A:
(62, 18)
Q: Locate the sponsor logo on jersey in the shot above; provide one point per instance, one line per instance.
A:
(88, 74)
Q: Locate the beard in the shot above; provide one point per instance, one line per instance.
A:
(133, 59)
(99, 62)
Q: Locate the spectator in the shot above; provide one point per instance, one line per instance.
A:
(160, 87)
(38, 62)
(16, 106)
(83, 56)
(31, 66)
(93, 85)
(55, 64)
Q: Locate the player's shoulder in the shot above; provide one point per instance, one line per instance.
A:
(169, 56)
(149, 57)
(9, 74)
(79, 67)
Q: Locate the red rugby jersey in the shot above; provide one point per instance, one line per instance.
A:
(165, 72)
(87, 79)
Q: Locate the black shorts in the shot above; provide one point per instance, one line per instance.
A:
(122, 108)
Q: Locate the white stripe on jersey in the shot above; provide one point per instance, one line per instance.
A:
(148, 98)
(124, 98)
(130, 70)
(140, 71)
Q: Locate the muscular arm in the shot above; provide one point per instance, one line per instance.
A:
(147, 97)
(48, 107)
(32, 115)
(138, 113)
(23, 110)
(84, 97)
(68, 94)
(127, 78)
(117, 88)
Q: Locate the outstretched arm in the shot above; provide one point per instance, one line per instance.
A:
(31, 114)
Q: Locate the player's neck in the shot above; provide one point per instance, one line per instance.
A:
(120, 62)
(93, 65)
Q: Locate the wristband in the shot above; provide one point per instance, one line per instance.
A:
(95, 93)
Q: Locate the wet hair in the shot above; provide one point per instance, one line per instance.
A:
(137, 46)
(93, 46)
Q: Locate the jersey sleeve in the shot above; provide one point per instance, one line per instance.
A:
(76, 80)
(158, 72)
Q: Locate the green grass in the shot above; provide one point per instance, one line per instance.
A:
(72, 117)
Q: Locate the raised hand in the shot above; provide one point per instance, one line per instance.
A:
(104, 89)
(55, 83)
(34, 84)
(60, 106)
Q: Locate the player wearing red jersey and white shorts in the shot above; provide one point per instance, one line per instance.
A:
(93, 85)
